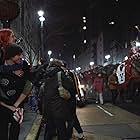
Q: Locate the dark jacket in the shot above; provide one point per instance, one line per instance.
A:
(55, 106)
(74, 90)
(12, 86)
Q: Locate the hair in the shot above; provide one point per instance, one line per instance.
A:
(4, 36)
(12, 51)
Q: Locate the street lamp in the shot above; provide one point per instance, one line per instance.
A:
(74, 60)
(137, 27)
(84, 27)
(41, 19)
(107, 57)
(112, 23)
(85, 41)
(49, 53)
(91, 63)
(40, 13)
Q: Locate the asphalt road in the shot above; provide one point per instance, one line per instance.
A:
(101, 122)
(107, 122)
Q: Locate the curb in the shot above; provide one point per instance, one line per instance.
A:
(34, 131)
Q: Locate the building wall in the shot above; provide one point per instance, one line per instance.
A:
(100, 49)
(25, 26)
(97, 51)
(83, 60)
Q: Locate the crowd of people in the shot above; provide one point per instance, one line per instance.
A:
(16, 83)
(121, 85)
(55, 91)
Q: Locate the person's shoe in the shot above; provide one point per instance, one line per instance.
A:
(96, 102)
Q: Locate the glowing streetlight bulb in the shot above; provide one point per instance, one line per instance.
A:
(49, 52)
(40, 13)
(51, 59)
(137, 27)
(84, 17)
(85, 41)
(91, 63)
(84, 21)
(84, 28)
(112, 23)
(107, 56)
(42, 19)
(74, 56)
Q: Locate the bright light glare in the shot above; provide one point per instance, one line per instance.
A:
(136, 26)
(84, 21)
(49, 52)
(85, 41)
(126, 58)
(84, 28)
(112, 23)
(137, 44)
(78, 69)
(91, 63)
(81, 86)
(74, 56)
(40, 13)
(84, 17)
(107, 56)
(41, 19)
(51, 59)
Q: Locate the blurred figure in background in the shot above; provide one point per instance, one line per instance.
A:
(98, 85)
(113, 85)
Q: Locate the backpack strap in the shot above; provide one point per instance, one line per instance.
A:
(59, 78)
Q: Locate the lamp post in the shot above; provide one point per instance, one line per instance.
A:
(137, 27)
(49, 53)
(41, 19)
(74, 61)
(107, 57)
(91, 64)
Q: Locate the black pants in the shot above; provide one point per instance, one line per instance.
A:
(8, 126)
(122, 95)
(73, 123)
(114, 95)
(55, 125)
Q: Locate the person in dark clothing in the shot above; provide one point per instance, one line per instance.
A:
(7, 37)
(55, 107)
(12, 95)
(73, 121)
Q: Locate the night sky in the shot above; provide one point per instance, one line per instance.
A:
(63, 27)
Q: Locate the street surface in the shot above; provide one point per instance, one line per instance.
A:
(107, 122)
(29, 117)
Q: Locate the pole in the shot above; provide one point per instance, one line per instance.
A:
(42, 41)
